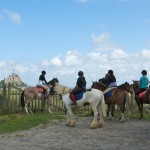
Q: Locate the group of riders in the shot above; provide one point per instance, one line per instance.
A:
(109, 80)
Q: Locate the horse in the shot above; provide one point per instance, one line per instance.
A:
(93, 96)
(31, 93)
(118, 96)
(144, 99)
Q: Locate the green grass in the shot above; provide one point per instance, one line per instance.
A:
(15, 122)
(134, 115)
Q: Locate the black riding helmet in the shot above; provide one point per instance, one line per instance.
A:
(144, 72)
(80, 73)
(43, 72)
(110, 72)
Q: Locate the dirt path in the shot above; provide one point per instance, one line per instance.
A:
(130, 135)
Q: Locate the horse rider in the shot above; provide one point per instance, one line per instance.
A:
(111, 81)
(104, 80)
(42, 82)
(143, 82)
(80, 86)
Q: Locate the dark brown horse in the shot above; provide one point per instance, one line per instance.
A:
(119, 97)
(145, 99)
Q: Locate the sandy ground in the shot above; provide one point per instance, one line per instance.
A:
(130, 135)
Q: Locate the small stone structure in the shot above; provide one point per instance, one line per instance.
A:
(14, 78)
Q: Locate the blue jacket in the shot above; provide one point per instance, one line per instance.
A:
(144, 81)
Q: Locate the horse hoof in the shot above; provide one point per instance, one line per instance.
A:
(100, 125)
(121, 121)
(92, 127)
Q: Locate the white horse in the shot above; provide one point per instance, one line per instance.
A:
(94, 97)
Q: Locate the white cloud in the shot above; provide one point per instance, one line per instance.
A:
(145, 53)
(45, 62)
(56, 61)
(103, 42)
(13, 16)
(119, 54)
(21, 69)
(3, 64)
(72, 58)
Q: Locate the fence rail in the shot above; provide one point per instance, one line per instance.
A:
(10, 102)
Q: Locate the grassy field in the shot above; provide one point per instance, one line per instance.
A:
(14, 122)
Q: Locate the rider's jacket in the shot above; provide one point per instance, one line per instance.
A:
(144, 81)
(81, 82)
(111, 81)
(42, 79)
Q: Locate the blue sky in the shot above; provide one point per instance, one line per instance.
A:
(65, 36)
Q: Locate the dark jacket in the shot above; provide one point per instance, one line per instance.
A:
(42, 78)
(111, 79)
(81, 82)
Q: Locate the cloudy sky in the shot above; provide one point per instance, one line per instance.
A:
(65, 36)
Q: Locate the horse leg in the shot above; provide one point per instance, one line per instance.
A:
(94, 123)
(29, 108)
(141, 110)
(71, 116)
(68, 121)
(49, 104)
(109, 112)
(100, 114)
(122, 109)
(26, 108)
(139, 107)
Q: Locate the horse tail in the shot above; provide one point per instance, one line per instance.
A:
(22, 99)
(102, 104)
(127, 97)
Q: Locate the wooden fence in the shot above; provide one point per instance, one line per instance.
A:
(10, 102)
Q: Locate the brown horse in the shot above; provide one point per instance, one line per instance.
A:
(145, 99)
(119, 97)
(32, 93)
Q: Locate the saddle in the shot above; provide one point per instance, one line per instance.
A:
(108, 94)
(40, 89)
(76, 97)
(142, 94)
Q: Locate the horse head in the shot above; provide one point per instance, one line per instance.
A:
(53, 81)
(126, 86)
(135, 85)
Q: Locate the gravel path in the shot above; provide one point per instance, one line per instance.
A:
(130, 135)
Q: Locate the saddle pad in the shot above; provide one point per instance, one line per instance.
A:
(141, 94)
(108, 94)
(79, 96)
(40, 89)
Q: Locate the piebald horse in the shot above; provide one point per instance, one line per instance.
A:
(94, 97)
(31, 93)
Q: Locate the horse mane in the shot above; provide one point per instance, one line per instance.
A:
(100, 83)
(61, 89)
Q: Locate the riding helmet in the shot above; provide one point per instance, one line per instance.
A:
(43, 72)
(110, 72)
(144, 72)
(80, 73)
